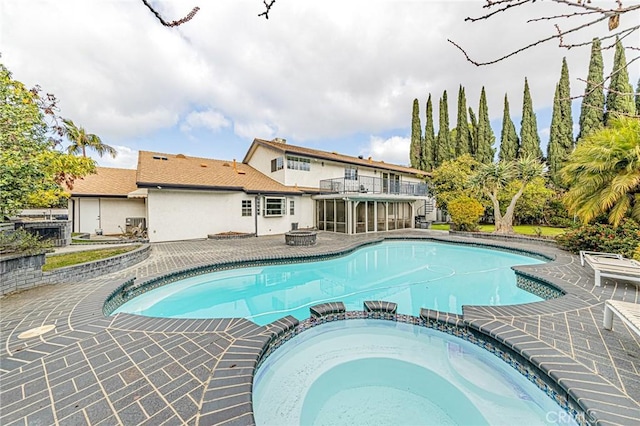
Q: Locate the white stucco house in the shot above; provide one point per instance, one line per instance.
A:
(102, 202)
(275, 188)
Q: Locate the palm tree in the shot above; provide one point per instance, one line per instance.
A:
(604, 173)
(493, 177)
(81, 140)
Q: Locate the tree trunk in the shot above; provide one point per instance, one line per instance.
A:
(499, 220)
(504, 224)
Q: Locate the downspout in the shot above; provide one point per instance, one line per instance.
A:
(100, 214)
(73, 215)
(257, 205)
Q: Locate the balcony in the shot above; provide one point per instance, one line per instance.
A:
(371, 185)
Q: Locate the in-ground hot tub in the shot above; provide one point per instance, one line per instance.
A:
(374, 372)
(300, 238)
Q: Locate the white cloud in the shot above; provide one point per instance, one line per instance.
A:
(127, 158)
(313, 71)
(392, 150)
(254, 129)
(209, 119)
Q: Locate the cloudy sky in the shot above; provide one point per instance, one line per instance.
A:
(332, 75)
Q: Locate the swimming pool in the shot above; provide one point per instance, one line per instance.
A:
(413, 274)
(374, 372)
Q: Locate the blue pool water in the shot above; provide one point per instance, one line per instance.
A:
(374, 372)
(414, 274)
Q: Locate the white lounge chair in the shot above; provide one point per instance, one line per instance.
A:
(628, 312)
(611, 265)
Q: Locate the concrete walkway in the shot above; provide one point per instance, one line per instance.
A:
(135, 370)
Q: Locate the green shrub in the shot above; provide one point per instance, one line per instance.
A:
(556, 214)
(22, 242)
(624, 239)
(465, 213)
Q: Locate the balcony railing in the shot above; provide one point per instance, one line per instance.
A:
(371, 185)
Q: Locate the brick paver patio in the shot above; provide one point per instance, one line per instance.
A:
(135, 370)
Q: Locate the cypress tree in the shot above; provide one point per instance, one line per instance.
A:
(592, 110)
(564, 92)
(619, 96)
(443, 149)
(416, 137)
(508, 138)
(484, 133)
(561, 132)
(555, 153)
(473, 130)
(529, 138)
(429, 152)
(462, 127)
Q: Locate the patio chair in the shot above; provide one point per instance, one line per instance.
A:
(611, 265)
(628, 312)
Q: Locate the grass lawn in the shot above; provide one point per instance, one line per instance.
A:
(68, 259)
(547, 231)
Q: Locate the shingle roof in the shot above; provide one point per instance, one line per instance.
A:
(106, 181)
(286, 148)
(180, 171)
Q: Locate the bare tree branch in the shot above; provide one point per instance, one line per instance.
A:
(529, 46)
(267, 6)
(594, 85)
(172, 23)
(566, 15)
(622, 34)
(502, 9)
(611, 15)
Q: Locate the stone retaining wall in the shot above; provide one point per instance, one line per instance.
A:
(501, 237)
(23, 272)
(20, 272)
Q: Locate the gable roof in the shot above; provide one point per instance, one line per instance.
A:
(180, 171)
(285, 148)
(107, 181)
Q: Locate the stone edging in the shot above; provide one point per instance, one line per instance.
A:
(98, 268)
(28, 270)
(107, 242)
(500, 237)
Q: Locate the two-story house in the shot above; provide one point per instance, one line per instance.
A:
(275, 188)
(356, 194)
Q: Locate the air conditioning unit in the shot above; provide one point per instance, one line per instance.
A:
(135, 222)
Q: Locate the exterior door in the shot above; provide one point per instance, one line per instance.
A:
(89, 214)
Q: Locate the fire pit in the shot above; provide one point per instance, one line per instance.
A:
(300, 238)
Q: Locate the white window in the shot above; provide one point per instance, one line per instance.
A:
(274, 206)
(292, 207)
(350, 173)
(298, 163)
(277, 164)
(246, 207)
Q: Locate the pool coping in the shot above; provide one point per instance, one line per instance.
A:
(571, 376)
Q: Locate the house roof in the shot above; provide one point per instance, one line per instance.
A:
(285, 148)
(185, 172)
(107, 181)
